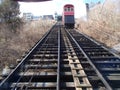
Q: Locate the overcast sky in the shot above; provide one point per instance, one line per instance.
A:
(95, 1)
(50, 7)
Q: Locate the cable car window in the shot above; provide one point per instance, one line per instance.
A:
(71, 9)
(68, 8)
(65, 9)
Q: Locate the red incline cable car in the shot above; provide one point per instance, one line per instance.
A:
(68, 16)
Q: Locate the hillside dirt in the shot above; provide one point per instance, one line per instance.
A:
(103, 24)
(14, 45)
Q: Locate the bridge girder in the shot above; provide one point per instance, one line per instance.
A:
(32, 0)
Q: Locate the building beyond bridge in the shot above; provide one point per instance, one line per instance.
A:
(27, 16)
(30, 17)
(48, 17)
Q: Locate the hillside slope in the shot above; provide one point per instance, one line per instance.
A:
(103, 23)
(14, 45)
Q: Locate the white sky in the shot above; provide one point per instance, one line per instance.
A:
(50, 7)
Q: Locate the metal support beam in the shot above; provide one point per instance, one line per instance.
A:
(58, 70)
(32, 0)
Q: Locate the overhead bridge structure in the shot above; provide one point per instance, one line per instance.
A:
(32, 0)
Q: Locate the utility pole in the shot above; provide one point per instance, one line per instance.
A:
(87, 9)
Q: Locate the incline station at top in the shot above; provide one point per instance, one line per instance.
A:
(32, 0)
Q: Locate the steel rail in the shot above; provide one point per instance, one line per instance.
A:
(23, 74)
(96, 70)
(92, 40)
(42, 58)
(4, 83)
(26, 87)
(19, 80)
(78, 84)
(58, 70)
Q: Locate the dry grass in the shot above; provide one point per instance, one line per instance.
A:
(14, 45)
(103, 24)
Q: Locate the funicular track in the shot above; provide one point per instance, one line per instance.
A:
(65, 60)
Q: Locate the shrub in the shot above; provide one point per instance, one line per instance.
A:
(103, 23)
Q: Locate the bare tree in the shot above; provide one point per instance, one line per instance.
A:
(9, 11)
